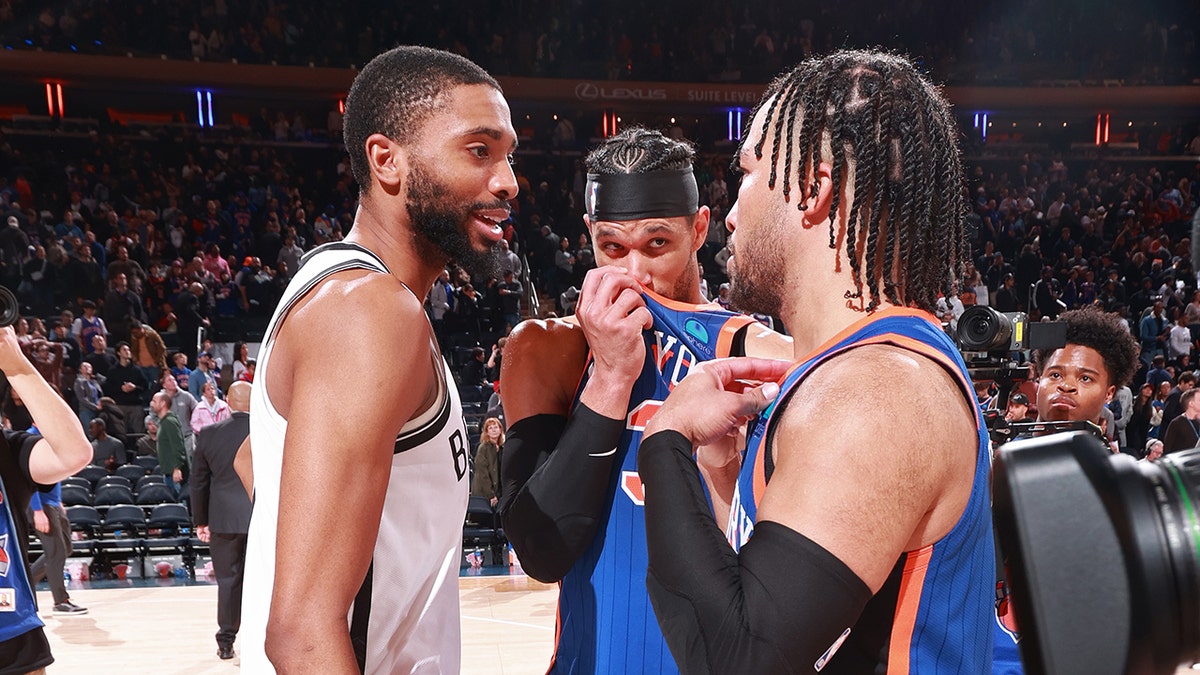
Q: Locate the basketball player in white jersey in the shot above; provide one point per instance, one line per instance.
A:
(359, 450)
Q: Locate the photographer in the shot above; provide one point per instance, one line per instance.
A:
(1074, 384)
(28, 462)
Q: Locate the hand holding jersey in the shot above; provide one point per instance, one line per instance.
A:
(612, 315)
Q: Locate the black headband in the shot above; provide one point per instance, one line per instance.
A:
(632, 196)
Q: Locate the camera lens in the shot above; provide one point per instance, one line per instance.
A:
(1102, 554)
(982, 328)
(10, 309)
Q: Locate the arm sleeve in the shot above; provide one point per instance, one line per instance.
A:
(779, 606)
(555, 474)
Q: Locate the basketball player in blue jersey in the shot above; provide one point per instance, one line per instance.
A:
(30, 460)
(355, 541)
(861, 530)
(580, 391)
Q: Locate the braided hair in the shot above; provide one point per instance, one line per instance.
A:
(639, 150)
(889, 133)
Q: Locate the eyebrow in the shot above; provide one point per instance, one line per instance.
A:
(490, 132)
(652, 228)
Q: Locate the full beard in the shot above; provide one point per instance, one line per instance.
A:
(443, 224)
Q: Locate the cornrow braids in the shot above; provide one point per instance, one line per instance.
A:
(639, 150)
(889, 133)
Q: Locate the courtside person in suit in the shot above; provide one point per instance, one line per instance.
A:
(221, 510)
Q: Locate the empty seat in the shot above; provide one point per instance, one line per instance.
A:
(78, 481)
(482, 526)
(114, 480)
(146, 480)
(155, 493)
(148, 462)
(111, 495)
(92, 473)
(131, 472)
(124, 529)
(169, 530)
(86, 520)
(74, 495)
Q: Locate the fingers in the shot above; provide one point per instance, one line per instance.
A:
(604, 285)
(746, 368)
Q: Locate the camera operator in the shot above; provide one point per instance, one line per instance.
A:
(28, 462)
(1074, 384)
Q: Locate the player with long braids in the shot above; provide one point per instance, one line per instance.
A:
(861, 533)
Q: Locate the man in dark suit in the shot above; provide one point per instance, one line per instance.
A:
(221, 510)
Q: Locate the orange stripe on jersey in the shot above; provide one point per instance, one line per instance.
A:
(908, 602)
(728, 331)
(678, 305)
(557, 632)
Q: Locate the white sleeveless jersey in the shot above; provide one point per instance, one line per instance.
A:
(405, 618)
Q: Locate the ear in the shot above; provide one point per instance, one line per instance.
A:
(1108, 396)
(587, 222)
(816, 206)
(700, 227)
(387, 162)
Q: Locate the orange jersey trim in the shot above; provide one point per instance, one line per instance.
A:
(908, 602)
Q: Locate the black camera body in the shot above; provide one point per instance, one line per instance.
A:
(1103, 555)
(985, 331)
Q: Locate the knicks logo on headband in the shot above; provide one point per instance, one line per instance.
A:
(633, 196)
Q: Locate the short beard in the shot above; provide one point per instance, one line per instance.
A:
(757, 283)
(442, 224)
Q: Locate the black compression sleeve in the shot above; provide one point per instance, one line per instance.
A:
(777, 607)
(555, 474)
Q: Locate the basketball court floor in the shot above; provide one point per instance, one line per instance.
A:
(166, 627)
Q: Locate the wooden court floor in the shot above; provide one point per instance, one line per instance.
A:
(508, 629)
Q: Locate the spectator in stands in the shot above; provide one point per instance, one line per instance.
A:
(48, 358)
(87, 389)
(148, 352)
(205, 373)
(1183, 433)
(183, 404)
(440, 301)
(122, 307)
(87, 326)
(107, 452)
(221, 510)
(1152, 331)
(190, 319)
(29, 460)
(127, 386)
(241, 355)
(486, 481)
(290, 253)
(147, 444)
(209, 408)
(1173, 405)
(179, 369)
(510, 291)
(124, 265)
(172, 456)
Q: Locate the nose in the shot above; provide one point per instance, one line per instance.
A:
(731, 217)
(504, 181)
(638, 267)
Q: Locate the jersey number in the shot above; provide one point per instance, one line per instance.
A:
(458, 452)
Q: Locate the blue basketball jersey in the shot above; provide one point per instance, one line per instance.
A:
(934, 612)
(605, 621)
